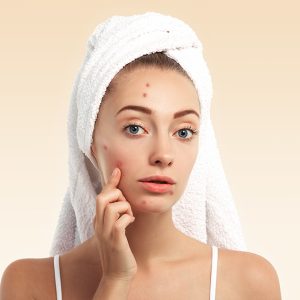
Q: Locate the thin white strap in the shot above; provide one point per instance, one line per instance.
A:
(57, 277)
(213, 277)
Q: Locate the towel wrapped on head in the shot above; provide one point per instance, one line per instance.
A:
(206, 210)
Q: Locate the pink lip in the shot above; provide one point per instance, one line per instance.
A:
(156, 187)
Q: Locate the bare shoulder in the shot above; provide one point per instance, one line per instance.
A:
(249, 274)
(27, 278)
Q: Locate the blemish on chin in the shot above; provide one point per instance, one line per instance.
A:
(145, 95)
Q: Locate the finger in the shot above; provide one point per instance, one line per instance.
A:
(113, 212)
(122, 198)
(101, 202)
(103, 199)
(120, 227)
(113, 180)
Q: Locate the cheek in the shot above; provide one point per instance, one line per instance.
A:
(119, 164)
(114, 158)
(114, 155)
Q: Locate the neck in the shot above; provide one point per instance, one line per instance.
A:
(152, 238)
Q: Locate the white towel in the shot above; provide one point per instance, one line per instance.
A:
(206, 210)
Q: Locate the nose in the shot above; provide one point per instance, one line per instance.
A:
(162, 154)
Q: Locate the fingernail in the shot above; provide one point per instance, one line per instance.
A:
(114, 172)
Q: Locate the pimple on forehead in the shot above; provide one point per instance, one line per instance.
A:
(147, 85)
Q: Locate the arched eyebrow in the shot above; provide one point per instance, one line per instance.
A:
(148, 111)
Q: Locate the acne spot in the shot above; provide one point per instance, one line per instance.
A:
(105, 147)
(119, 164)
(144, 94)
(147, 84)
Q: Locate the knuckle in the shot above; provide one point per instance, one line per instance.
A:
(118, 227)
(109, 210)
(99, 197)
(120, 193)
(102, 199)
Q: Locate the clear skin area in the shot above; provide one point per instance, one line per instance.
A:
(159, 145)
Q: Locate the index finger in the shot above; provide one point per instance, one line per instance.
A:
(114, 179)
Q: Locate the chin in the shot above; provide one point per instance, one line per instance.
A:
(158, 203)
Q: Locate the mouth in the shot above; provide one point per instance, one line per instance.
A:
(157, 183)
(158, 179)
(157, 187)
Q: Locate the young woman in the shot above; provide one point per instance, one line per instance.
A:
(147, 132)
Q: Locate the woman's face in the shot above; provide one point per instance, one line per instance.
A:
(148, 141)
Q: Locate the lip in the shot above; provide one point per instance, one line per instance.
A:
(167, 179)
(156, 187)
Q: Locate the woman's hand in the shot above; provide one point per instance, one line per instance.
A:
(113, 215)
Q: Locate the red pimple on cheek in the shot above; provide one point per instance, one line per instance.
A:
(147, 84)
(144, 94)
(119, 164)
(105, 147)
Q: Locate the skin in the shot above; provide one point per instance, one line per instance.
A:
(159, 146)
(171, 265)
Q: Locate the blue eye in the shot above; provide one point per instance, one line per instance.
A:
(134, 129)
(185, 130)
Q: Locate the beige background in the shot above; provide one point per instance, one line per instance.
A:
(252, 50)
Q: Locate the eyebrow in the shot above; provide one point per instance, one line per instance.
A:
(148, 111)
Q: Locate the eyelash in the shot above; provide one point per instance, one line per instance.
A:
(190, 128)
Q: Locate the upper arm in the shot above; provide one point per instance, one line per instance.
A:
(262, 282)
(14, 282)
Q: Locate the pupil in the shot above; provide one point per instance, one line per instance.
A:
(134, 126)
(183, 130)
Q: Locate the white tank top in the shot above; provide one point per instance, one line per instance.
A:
(213, 275)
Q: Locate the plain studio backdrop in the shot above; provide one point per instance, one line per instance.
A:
(252, 50)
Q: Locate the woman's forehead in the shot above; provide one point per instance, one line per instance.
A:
(155, 87)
